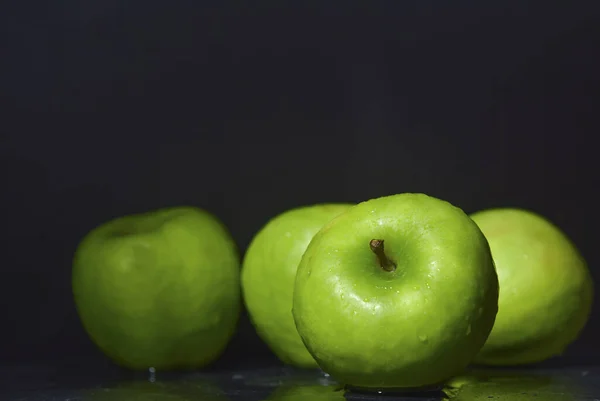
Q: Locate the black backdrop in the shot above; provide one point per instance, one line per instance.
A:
(248, 110)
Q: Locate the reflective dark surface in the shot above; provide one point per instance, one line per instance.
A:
(34, 383)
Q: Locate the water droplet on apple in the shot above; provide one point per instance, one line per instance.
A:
(469, 330)
(428, 287)
(417, 287)
(423, 338)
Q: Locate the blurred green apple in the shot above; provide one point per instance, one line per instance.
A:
(268, 274)
(159, 289)
(546, 290)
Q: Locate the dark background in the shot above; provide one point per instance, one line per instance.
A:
(115, 107)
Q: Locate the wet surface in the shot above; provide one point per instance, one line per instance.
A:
(36, 383)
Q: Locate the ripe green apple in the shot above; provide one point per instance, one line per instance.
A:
(268, 274)
(398, 291)
(545, 287)
(159, 289)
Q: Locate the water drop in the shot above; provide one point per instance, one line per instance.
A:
(423, 338)
(428, 287)
(365, 299)
(342, 297)
(151, 375)
(308, 273)
(417, 287)
(469, 330)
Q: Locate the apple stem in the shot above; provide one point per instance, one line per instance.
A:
(386, 264)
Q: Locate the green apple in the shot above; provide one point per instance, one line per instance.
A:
(398, 291)
(268, 274)
(545, 287)
(159, 289)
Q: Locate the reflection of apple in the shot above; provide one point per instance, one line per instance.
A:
(545, 288)
(396, 292)
(268, 274)
(511, 386)
(304, 393)
(164, 390)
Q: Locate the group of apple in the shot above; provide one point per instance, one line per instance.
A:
(400, 291)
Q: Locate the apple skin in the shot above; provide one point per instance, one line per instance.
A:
(268, 275)
(546, 290)
(159, 289)
(413, 327)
